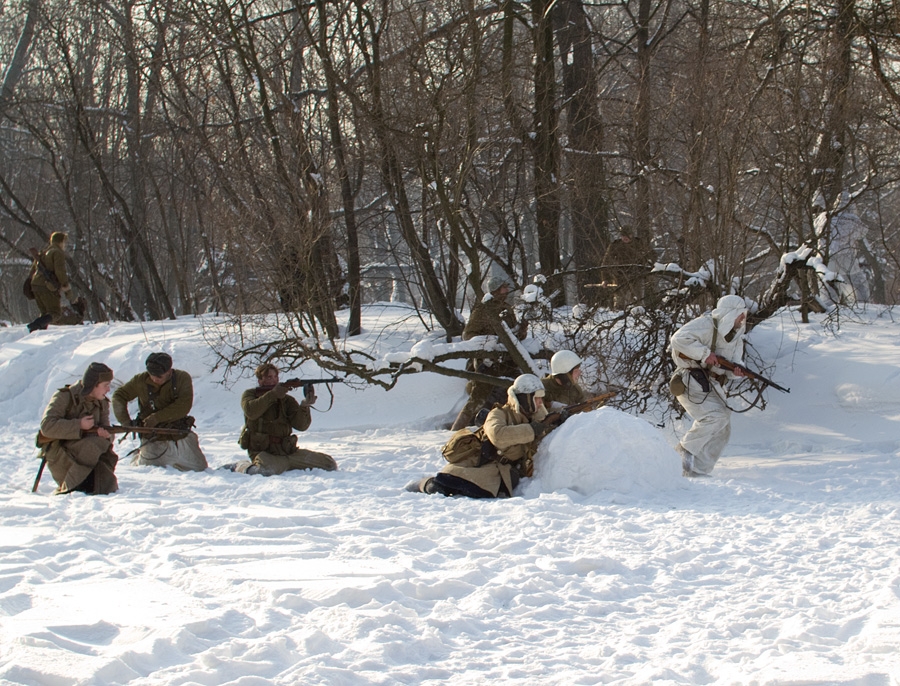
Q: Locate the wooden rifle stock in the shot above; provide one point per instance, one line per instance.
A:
(732, 366)
(557, 418)
(292, 384)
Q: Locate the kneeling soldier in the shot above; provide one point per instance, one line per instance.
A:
(77, 448)
(165, 397)
(270, 416)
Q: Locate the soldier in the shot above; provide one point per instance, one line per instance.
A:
(485, 320)
(270, 415)
(513, 431)
(50, 282)
(165, 397)
(561, 385)
(624, 262)
(698, 382)
(77, 448)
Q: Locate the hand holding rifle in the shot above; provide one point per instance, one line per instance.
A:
(741, 370)
(554, 419)
(308, 386)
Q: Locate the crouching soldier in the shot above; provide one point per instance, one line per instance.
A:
(165, 397)
(561, 387)
(509, 440)
(270, 416)
(77, 448)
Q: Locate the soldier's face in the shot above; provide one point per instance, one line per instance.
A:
(160, 380)
(576, 374)
(100, 390)
(270, 378)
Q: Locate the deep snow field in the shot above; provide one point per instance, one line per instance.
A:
(608, 567)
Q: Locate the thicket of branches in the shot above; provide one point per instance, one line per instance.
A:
(253, 156)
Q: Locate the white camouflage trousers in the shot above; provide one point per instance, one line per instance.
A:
(709, 434)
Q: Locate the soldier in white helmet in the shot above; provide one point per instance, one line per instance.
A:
(513, 431)
(561, 384)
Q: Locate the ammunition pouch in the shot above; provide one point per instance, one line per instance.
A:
(676, 383)
(701, 377)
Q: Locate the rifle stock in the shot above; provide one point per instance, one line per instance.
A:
(557, 418)
(292, 384)
(732, 366)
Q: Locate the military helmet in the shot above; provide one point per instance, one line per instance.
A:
(564, 362)
(495, 281)
(522, 393)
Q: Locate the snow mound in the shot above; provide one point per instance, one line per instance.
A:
(605, 450)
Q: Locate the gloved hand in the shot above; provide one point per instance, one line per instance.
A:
(279, 391)
(309, 394)
(539, 429)
(151, 421)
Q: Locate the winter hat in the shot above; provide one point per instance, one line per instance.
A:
(96, 372)
(495, 281)
(158, 363)
(58, 237)
(727, 310)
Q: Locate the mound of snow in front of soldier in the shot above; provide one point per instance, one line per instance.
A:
(783, 567)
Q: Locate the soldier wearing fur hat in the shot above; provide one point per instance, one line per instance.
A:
(270, 416)
(486, 319)
(50, 282)
(513, 431)
(698, 383)
(77, 448)
(561, 387)
(165, 397)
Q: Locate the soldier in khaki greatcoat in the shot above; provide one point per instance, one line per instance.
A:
(79, 453)
(165, 397)
(514, 429)
(486, 319)
(270, 416)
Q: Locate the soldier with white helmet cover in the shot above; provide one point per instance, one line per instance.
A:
(561, 386)
(698, 383)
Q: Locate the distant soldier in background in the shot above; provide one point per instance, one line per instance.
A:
(561, 385)
(624, 263)
(50, 282)
(165, 397)
(77, 448)
(270, 416)
(485, 320)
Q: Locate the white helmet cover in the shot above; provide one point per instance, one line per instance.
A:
(564, 362)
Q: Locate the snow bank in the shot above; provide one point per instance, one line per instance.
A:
(605, 450)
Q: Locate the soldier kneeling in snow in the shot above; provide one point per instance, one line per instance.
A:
(165, 397)
(501, 452)
(270, 416)
(77, 448)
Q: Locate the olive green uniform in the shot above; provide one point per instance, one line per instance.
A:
(169, 406)
(269, 421)
(47, 295)
(558, 395)
(78, 462)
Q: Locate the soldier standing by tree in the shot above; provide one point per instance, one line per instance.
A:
(486, 319)
(50, 282)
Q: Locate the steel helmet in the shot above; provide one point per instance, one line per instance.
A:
(564, 362)
(526, 384)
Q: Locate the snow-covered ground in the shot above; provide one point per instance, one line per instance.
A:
(783, 568)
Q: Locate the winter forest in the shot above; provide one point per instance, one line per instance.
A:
(257, 157)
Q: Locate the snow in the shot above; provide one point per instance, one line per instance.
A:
(608, 567)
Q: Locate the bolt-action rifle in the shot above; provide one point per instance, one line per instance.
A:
(749, 373)
(291, 384)
(554, 419)
(43, 440)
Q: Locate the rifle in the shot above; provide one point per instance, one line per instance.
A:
(557, 418)
(37, 479)
(49, 276)
(291, 384)
(732, 366)
(43, 440)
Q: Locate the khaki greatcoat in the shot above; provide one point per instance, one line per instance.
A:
(72, 456)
